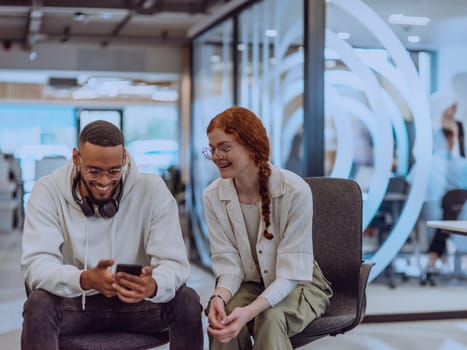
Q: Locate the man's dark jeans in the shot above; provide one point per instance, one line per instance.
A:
(47, 316)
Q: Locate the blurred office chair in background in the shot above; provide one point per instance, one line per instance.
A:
(48, 164)
(386, 217)
(452, 206)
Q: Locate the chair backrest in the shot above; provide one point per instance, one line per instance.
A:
(48, 164)
(397, 184)
(337, 230)
(337, 245)
(452, 205)
(453, 202)
(395, 197)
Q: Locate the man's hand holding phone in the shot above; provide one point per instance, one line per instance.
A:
(99, 278)
(134, 283)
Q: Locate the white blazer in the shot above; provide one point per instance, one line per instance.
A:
(288, 255)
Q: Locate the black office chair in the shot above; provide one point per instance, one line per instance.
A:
(111, 340)
(391, 206)
(452, 205)
(453, 202)
(337, 243)
(386, 217)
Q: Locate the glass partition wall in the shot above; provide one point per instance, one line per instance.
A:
(253, 59)
(270, 69)
(381, 129)
(376, 117)
(213, 91)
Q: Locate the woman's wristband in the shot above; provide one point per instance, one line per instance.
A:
(218, 296)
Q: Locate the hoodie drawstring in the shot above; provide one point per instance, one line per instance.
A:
(86, 249)
(83, 296)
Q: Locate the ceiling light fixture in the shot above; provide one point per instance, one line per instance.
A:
(148, 4)
(343, 35)
(215, 59)
(80, 17)
(401, 19)
(241, 47)
(105, 15)
(413, 39)
(32, 55)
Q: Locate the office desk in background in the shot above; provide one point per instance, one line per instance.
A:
(454, 226)
(458, 227)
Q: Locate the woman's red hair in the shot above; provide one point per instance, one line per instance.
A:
(249, 131)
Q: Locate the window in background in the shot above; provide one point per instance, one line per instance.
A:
(151, 136)
(85, 116)
(41, 137)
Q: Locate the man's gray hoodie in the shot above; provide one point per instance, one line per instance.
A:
(59, 242)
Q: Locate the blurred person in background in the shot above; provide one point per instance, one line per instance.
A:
(448, 171)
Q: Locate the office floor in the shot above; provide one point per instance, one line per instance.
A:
(407, 296)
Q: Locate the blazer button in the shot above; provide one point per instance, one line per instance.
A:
(260, 252)
(265, 271)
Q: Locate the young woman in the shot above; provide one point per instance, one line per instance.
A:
(260, 232)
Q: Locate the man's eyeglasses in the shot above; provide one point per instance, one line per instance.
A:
(95, 173)
(221, 150)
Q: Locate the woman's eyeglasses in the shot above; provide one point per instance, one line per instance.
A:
(221, 151)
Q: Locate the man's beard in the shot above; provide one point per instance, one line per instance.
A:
(94, 200)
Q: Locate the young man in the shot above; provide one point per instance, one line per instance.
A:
(84, 219)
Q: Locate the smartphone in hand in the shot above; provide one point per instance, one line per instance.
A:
(132, 269)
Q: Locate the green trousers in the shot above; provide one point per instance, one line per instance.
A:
(272, 328)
